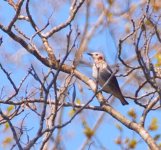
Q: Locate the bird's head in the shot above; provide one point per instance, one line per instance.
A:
(97, 56)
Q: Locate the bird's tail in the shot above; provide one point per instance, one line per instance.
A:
(117, 93)
(122, 99)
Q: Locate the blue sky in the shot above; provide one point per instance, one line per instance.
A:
(16, 60)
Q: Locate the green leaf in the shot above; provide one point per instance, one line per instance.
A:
(132, 143)
(132, 113)
(157, 137)
(118, 126)
(118, 141)
(78, 101)
(153, 125)
(10, 108)
(7, 141)
(6, 126)
(88, 132)
(71, 112)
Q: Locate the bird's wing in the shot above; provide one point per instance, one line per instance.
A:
(105, 74)
(112, 86)
(108, 69)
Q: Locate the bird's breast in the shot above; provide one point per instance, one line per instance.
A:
(95, 72)
(97, 67)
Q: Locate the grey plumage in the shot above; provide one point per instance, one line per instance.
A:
(102, 72)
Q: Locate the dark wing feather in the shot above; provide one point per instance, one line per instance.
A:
(113, 83)
(113, 86)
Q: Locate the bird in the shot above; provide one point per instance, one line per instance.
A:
(101, 71)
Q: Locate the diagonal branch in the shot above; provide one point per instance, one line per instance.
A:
(13, 130)
(74, 10)
(19, 5)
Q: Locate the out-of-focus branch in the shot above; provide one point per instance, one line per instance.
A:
(96, 126)
(86, 39)
(1, 41)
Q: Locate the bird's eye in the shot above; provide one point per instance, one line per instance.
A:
(96, 54)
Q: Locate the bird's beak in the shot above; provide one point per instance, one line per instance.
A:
(90, 54)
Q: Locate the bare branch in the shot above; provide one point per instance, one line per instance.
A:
(13, 130)
(73, 12)
(18, 10)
